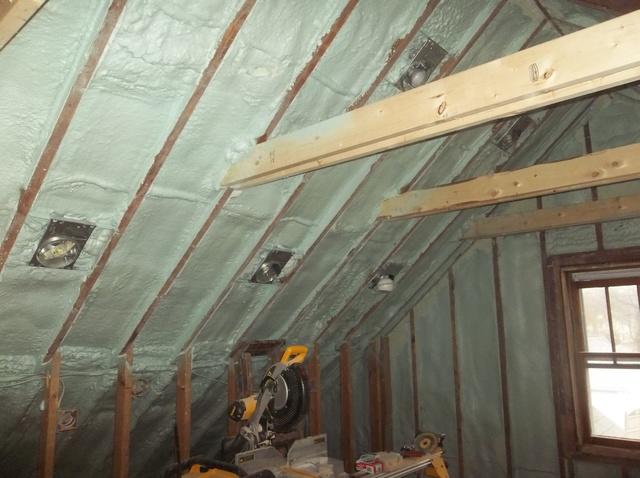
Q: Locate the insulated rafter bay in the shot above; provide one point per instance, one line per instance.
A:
(539, 76)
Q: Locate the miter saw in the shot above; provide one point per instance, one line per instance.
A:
(278, 407)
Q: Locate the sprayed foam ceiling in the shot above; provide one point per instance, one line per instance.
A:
(170, 268)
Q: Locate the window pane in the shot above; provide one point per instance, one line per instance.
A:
(626, 317)
(596, 323)
(614, 403)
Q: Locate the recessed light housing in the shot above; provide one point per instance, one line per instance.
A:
(61, 244)
(269, 270)
(383, 279)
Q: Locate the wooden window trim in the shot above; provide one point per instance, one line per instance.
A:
(565, 331)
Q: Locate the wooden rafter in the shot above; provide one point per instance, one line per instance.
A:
(596, 169)
(539, 76)
(618, 7)
(30, 192)
(122, 418)
(446, 69)
(591, 212)
(14, 14)
(183, 405)
(49, 418)
(292, 93)
(394, 54)
(152, 173)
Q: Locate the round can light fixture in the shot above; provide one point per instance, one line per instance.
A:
(267, 273)
(57, 252)
(385, 283)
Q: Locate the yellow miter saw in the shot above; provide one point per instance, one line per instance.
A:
(278, 407)
(280, 404)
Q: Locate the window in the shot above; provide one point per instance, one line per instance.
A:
(599, 360)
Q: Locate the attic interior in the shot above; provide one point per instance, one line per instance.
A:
(414, 219)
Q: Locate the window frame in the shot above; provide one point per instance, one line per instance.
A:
(565, 337)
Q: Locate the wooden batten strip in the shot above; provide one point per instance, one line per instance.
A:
(592, 212)
(49, 418)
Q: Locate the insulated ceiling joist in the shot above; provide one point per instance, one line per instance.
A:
(539, 76)
(604, 167)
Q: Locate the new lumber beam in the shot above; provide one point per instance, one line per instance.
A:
(183, 405)
(538, 76)
(603, 167)
(591, 212)
(122, 420)
(14, 14)
(49, 418)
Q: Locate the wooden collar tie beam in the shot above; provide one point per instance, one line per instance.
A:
(545, 74)
(597, 169)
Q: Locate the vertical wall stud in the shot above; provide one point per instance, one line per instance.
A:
(414, 373)
(375, 407)
(49, 418)
(456, 373)
(386, 394)
(122, 425)
(247, 374)
(346, 432)
(233, 427)
(315, 422)
(502, 348)
(183, 405)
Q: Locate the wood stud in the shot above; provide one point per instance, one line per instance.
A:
(183, 405)
(49, 418)
(346, 424)
(315, 399)
(122, 425)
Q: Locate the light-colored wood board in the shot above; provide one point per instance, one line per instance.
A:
(14, 14)
(592, 212)
(49, 418)
(596, 169)
(183, 405)
(539, 76)
(122, 418)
